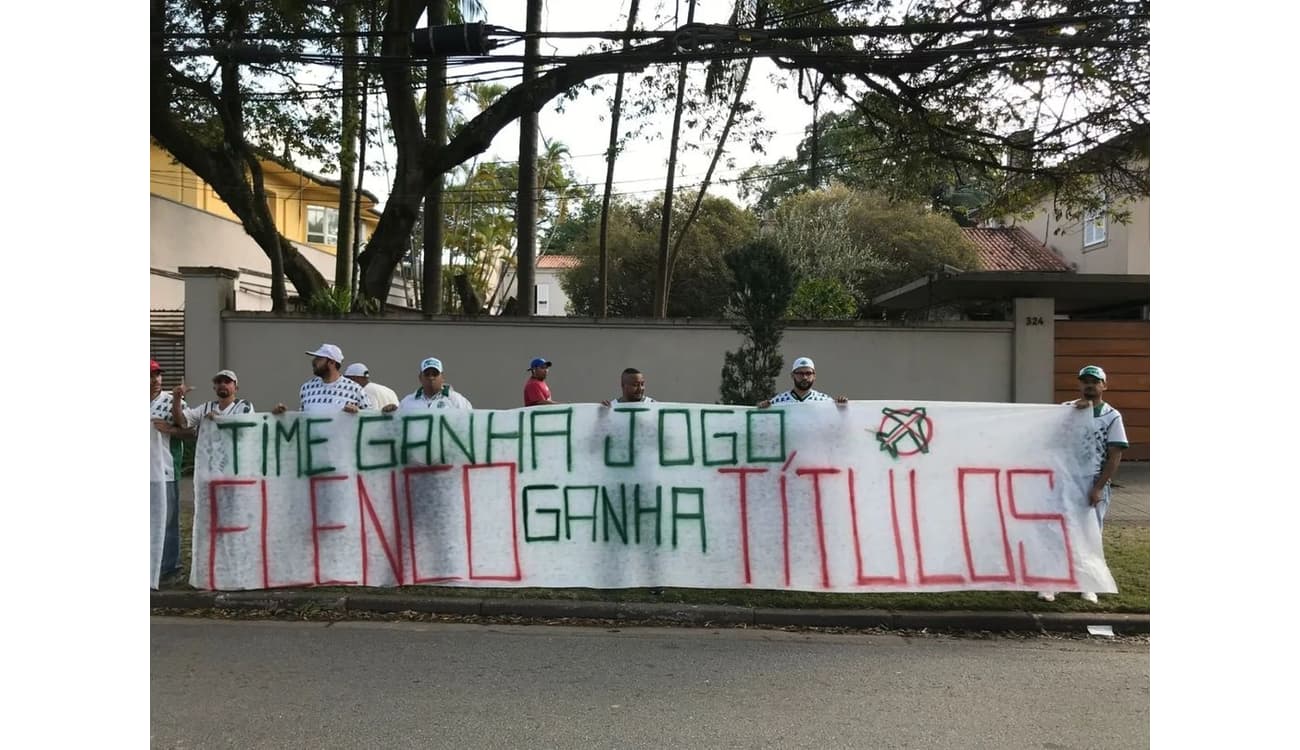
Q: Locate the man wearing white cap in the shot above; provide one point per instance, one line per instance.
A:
(433, 393)
(1106, 443)
(329, 391)
(225, 384)
(804, 374)
(380, 395)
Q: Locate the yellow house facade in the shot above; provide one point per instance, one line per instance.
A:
(305, 205)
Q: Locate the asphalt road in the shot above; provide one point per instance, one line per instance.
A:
(245, 684)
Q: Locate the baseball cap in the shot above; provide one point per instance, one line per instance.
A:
(357, 369)
(1093, 371)
(154, 366)
(329, 351)
(539, 362)
(226, 374)
(803, 362)
(433, 362)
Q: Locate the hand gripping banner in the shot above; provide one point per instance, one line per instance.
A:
(869, 497)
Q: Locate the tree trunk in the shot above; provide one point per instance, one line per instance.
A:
(419, 161)
(232, 170)
(665, 224)
(602, 309)
(526, 205)
(347, 149)
(759, 16)
(435, 120)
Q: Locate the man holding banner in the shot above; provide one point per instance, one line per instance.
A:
(632, 384)
(804, 374)
(1104, 449)
(225, 384)
(329, 391)
(433, 392)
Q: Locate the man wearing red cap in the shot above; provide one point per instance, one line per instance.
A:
(166, 451)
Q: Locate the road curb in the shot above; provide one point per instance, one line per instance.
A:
(683, 614)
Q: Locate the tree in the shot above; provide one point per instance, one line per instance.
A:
(865, 240)
(822, 299)
(852, 155)
(763, 280)
(699, 276)
(954, 79)
(206, 114)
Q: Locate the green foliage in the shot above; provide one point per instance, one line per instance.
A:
(866, 241)
(335, 300)
(763, 283)
(700, 278)
(822, 299)
(854, 152)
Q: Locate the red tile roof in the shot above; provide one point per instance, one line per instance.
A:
(558, 261)
(1012, 249)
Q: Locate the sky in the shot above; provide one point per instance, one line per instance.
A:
(583, 125)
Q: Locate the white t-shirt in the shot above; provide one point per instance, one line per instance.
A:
(317, 395)
(444, 399)
(380, 395)
(644, 400)
(194, 414)
(1108, 430)
(161, 468)
(788, 397)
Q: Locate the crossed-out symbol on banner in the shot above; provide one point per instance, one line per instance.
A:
(905, 428)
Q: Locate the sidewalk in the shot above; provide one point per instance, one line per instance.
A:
(1130, 494)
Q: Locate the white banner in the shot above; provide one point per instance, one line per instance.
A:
(157, 528)
(873, 496)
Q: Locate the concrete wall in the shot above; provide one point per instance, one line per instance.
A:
(487, 359)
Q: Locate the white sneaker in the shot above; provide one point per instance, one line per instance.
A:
(1088, 596)
(1047, 596)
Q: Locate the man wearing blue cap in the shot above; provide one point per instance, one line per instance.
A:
(433, 393)
(536, 391)
(1106, 443)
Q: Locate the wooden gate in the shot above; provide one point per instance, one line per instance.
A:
(1123, 349)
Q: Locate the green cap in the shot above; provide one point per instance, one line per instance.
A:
(1092, 371)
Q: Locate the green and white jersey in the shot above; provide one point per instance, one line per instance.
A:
(194, 414)
(444, 399)
(788, 397)
(1108, 431)
(164, 460)
(317, 395)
